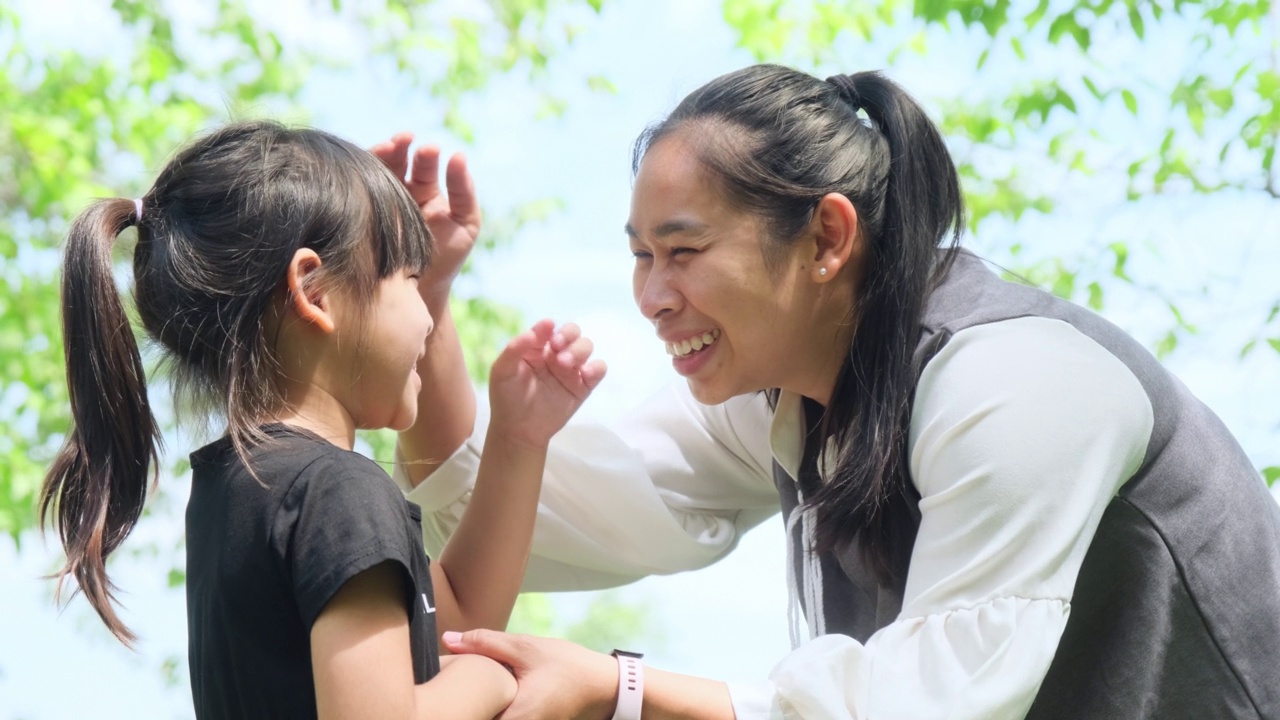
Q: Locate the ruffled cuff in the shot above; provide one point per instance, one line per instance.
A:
(755, 701)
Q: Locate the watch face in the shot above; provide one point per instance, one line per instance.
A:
(627, 653)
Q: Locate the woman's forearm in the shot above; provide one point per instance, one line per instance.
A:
(446, 402)
(671, 696)
(560, 679)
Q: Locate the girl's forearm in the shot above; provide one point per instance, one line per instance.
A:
(446, 402)
(469, 687)
(484, 561)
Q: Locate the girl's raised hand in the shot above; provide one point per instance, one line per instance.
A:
(454, 219)
(541, 378)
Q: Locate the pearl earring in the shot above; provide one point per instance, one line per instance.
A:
(822, 271)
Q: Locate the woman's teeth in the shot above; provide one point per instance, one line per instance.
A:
(693, 344)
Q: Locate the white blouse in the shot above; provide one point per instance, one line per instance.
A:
(1022, 431)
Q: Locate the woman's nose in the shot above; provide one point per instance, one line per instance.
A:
(656, 296)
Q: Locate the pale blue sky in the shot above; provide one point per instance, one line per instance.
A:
(728, 621)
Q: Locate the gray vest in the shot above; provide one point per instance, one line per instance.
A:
(1176, 611)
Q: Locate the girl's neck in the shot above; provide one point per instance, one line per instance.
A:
(315, 410)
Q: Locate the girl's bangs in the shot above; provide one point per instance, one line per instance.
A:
(400, 237)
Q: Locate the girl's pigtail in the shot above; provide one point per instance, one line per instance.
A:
(98, 481)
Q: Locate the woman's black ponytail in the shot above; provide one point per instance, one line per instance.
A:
(871, 492)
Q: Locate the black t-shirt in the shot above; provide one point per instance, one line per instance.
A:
(262, 562)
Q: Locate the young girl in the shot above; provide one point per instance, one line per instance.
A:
(279, 270)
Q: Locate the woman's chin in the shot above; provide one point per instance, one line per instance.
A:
(708, 393)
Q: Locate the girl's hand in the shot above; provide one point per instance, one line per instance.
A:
(454, 220)
(557, 679)
(539, 381)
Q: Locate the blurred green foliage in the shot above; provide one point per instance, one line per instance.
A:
(79, 125)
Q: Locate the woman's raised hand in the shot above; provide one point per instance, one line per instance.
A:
(541, 378)
(453, 218)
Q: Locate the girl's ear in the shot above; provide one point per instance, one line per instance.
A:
(307, 297)
(837, 242)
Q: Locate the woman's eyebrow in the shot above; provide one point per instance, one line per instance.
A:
(670, 227)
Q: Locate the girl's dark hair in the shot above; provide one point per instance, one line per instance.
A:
(216, 235)
(776, 141)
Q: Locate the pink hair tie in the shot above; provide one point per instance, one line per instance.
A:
(137, 210)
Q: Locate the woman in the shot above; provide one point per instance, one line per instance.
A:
(997, 503)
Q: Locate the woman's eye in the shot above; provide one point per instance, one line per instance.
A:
(640, 254)
(682, 251)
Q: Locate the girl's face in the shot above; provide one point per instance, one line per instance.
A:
(732, 324)
(382, 364)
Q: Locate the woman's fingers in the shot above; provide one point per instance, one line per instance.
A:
(394, 153)
(423, 181)
(464, 208)
(503, 647)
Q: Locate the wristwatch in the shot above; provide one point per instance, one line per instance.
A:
(630, 685)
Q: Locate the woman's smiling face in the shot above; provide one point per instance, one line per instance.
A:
(732, 323)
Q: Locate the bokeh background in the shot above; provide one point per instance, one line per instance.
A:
(1119, 152)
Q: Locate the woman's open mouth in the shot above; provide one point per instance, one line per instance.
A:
(690, 345)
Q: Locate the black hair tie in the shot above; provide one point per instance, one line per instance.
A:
(848, 90)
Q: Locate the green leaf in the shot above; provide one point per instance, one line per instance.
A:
(1182, 321)
(1095, 296)
(1271, 474)
(1121, 251)
(1274, 343)
(1135, 20)
(1248, 348)
(1093, 89)
(1130, 101)
(1036, 15)
(1016, 44)
(601, 84)
(1064, 284)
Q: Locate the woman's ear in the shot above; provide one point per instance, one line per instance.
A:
(307, 297)
(837, 242)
